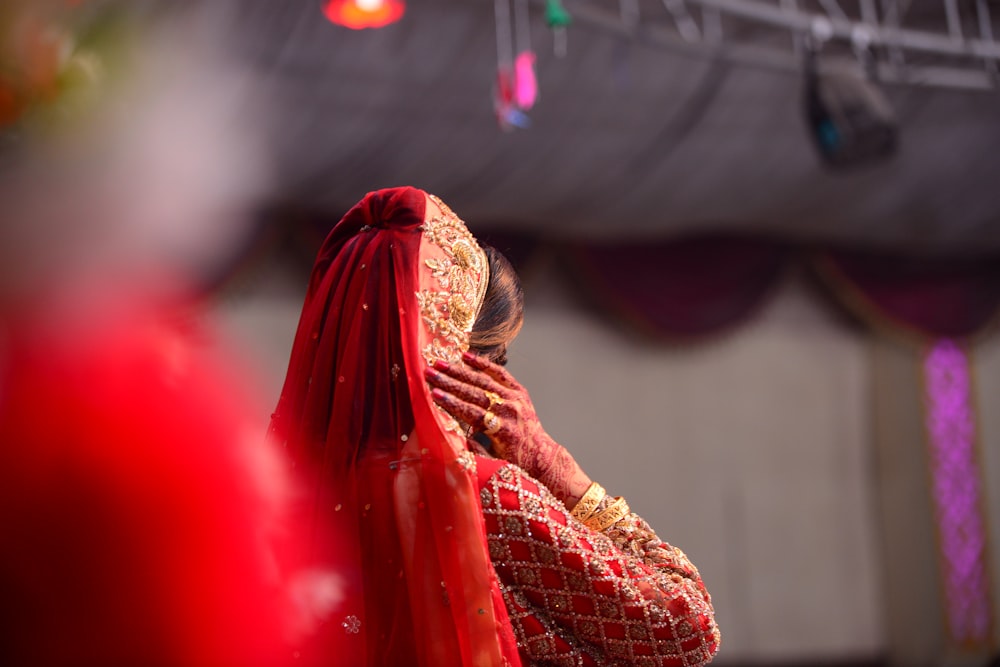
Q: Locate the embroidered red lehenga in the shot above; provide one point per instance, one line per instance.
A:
(450, 558)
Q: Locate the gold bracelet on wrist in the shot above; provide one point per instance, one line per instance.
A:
(592, 497)
(608, 517)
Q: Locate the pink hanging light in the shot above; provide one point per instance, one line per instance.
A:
(526, 84)
(360, 14)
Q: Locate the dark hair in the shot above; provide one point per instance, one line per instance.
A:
(502, 313)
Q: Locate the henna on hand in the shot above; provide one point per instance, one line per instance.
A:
(486, 396)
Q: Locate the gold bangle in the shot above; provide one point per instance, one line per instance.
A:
(609, 517)
(592, 497)
(603, 520)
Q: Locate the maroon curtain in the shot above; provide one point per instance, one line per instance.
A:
(517, 248)
(684, 288)
(698, 286)
(932, 297)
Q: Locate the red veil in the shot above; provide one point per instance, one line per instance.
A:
(394, 502)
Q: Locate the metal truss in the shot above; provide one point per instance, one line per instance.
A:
(946, 43)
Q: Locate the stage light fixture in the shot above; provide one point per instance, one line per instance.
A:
(849, 118)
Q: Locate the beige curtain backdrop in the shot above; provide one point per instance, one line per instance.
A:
(987, 384)
(907, 533)
(779, 457)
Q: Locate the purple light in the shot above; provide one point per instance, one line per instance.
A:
(956, 489)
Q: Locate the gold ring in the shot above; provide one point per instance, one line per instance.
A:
(491, 423)
(494, 399)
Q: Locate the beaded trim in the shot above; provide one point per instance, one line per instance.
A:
(575, 596)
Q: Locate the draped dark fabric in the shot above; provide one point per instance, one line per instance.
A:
(695, 287)
(686, 288)
(517, 248)
(932, 297)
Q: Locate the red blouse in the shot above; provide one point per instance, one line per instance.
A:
(580, 597)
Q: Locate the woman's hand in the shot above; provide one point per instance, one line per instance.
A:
(487, 397)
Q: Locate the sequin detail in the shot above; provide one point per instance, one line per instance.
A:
(467, 461)
(351, 625)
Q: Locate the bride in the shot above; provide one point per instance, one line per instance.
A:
(456, 554)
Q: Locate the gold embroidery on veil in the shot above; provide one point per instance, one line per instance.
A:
(462, 274)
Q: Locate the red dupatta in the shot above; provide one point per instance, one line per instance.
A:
(394, 503)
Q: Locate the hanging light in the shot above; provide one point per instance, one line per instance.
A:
(849, 117)
(359, 14)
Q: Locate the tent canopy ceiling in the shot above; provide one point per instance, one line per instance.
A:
(628, 139)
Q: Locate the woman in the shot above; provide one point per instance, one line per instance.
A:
(453, 556)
